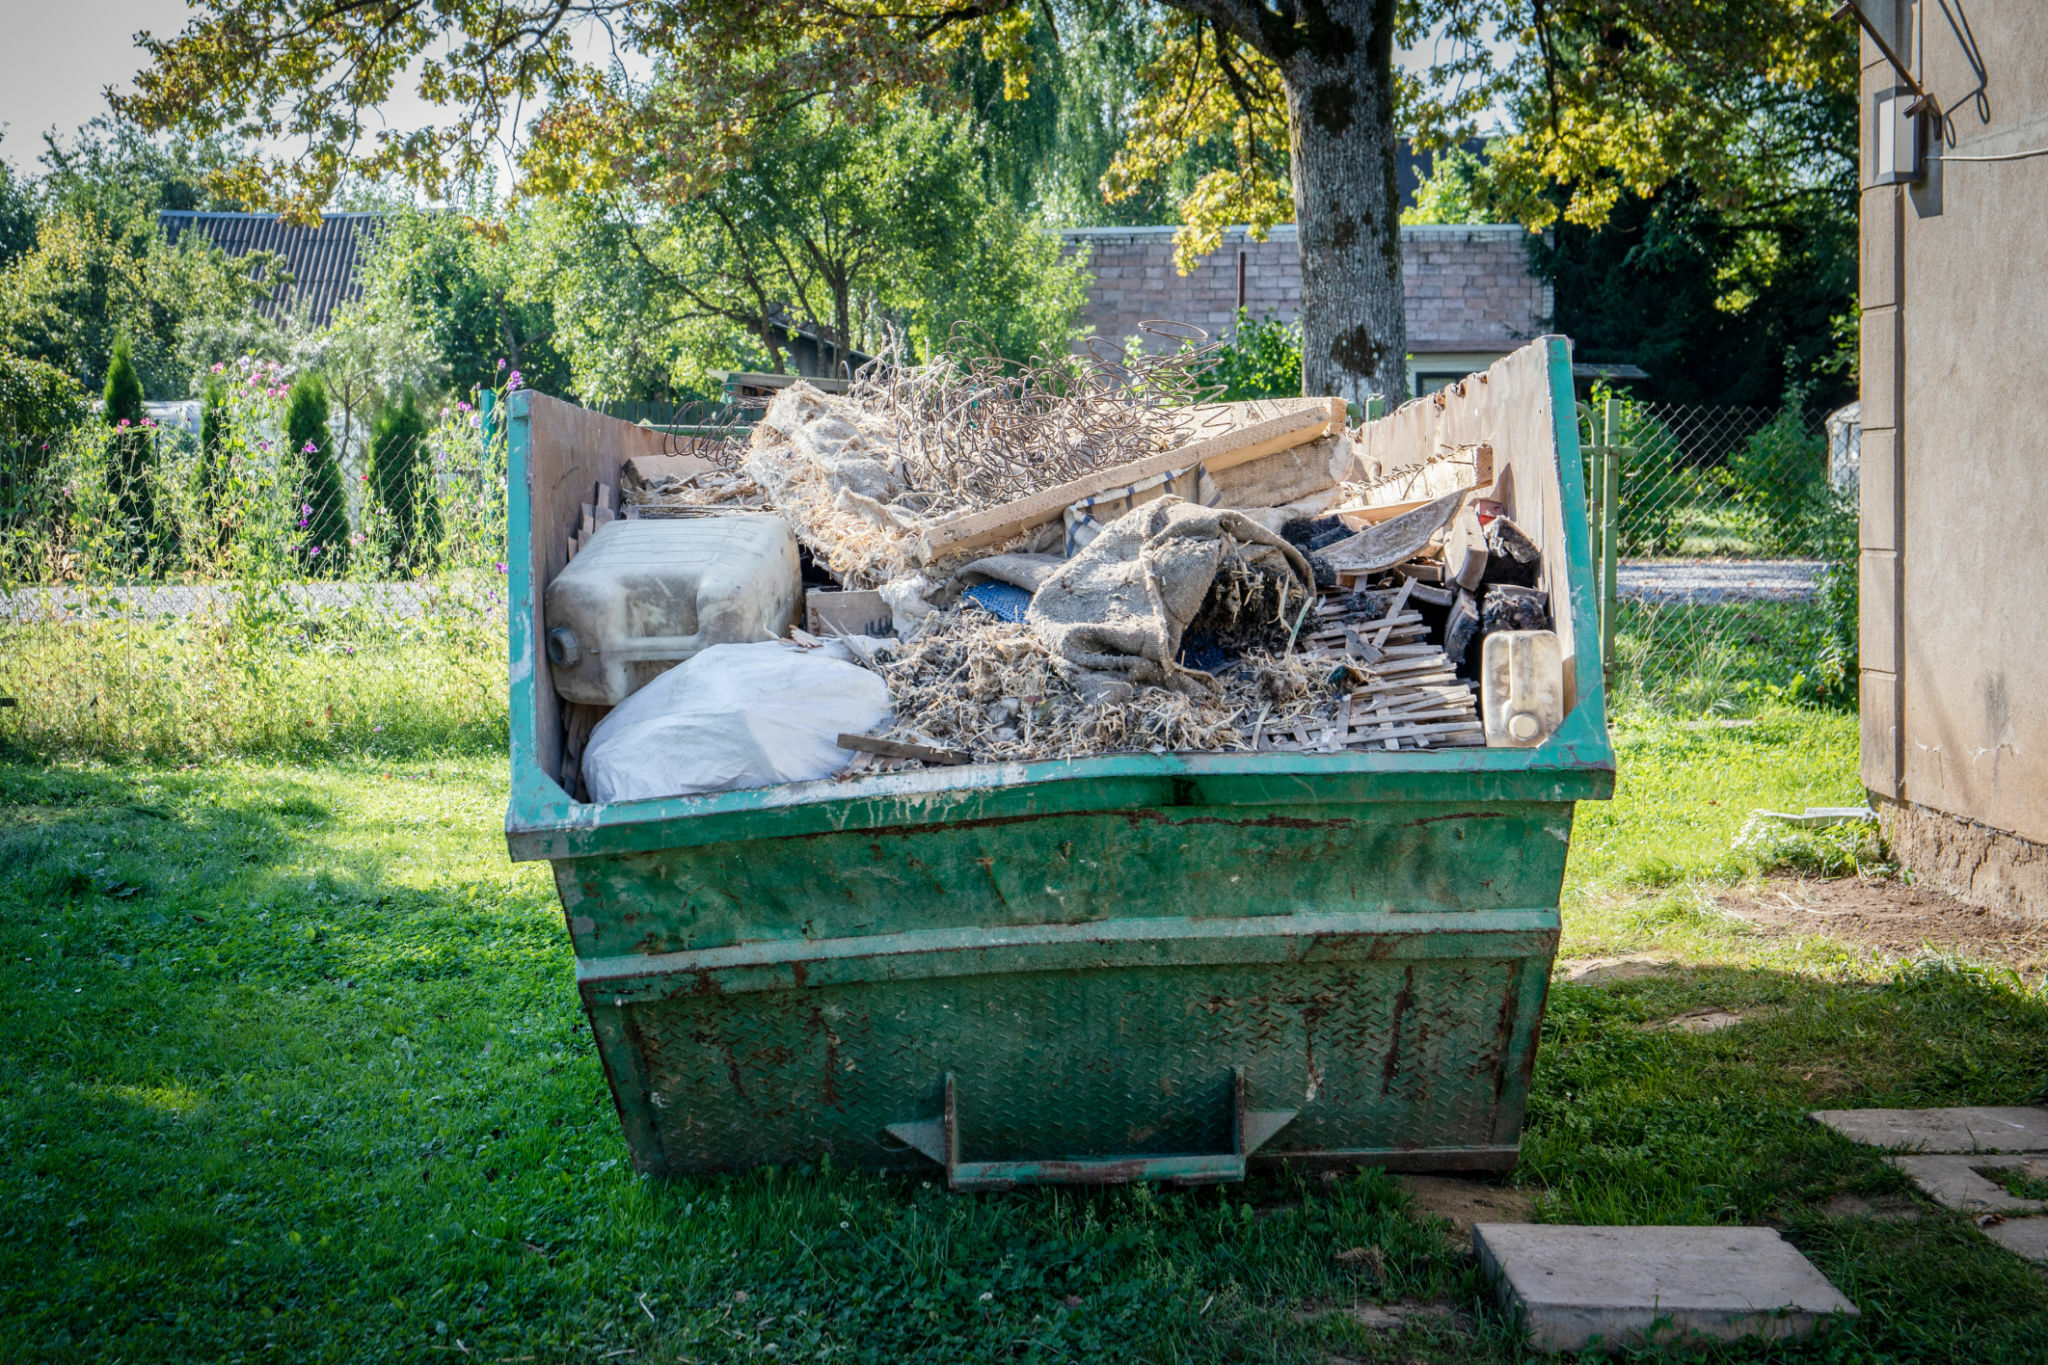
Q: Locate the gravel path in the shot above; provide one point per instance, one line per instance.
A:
(26, 605)
(1667, 582)
(1662, 582)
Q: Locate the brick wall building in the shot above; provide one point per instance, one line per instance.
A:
(1471, 295)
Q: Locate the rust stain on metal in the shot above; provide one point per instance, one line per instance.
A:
(1403, 1002)
(829, 1086)
(988, 870)
(1504, 1036)
(1160, 817)
(1461, 815)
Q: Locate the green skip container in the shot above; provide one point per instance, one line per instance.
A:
(1132, 967)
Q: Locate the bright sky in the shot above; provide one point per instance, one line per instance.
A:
(61, 57)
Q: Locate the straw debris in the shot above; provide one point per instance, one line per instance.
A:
(970, 681)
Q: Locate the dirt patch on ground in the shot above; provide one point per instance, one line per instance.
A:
(1894, 917)
(1895, 1206)
(1707, 1020)
(1609, 971)
(1465, 1202)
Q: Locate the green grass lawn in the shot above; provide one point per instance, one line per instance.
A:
(293, 1069)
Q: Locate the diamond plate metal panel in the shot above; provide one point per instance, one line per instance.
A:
(1076, 1064)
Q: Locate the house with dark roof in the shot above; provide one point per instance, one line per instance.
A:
(323, 260)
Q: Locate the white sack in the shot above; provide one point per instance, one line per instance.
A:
(735, 716)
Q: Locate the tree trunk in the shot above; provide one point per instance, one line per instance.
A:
(1336, 59)
(1347, 201)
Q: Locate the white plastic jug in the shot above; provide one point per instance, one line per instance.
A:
(644, 595)
(1521, 687)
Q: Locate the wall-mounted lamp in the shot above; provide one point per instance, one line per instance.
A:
(1901, 152)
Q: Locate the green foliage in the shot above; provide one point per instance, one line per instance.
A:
(1047, 153)
(1261, 360)
(1836, 660)
(38, 405)
(88, 280)
(1777, 482)
(246, 657)
(1654, 482)
(309, 444)
(131, 457)
(834, 227)
(213, 448)
(1452, 192)
(37, 401)
(1718, 304)
(402, 476)
(122, 398)
(472, 288)
(18, 214)
(93, 263)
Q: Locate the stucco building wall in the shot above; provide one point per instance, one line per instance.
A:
(1471, 297)
(1954, 286)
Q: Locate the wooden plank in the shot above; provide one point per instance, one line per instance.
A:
(1402, 685)
(1394, 614)
(1314, 419)
(648, 469)
(1416, 717)
(890, 748)
(1389, 737)
(1358, 518)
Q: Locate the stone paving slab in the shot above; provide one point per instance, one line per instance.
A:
(1953, 1182)
(1573, 1284)
(2026, 1237)
(2010, 1129)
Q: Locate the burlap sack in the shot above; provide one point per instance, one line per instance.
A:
(1114, 614)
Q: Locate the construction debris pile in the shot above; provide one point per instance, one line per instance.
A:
(1043, 567)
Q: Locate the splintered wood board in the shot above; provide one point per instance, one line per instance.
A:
(1312, 420)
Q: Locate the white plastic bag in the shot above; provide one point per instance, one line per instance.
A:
(735, 716)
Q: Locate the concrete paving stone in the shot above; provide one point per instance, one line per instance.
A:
(1571, 1285)
(2026, 1237)
(1954, 1182)
(2010, 1129)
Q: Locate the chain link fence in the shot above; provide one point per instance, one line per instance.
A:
(1732, 579)
(180, 591)
(186, 591)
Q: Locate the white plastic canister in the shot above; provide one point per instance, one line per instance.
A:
(644, 595)
(1521, 687)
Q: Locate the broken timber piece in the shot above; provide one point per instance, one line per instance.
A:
(1511, 556)
(1395, 542)
(652, 469)
(1400, 605)
(1465, 555)
(1460, 627)
(1434, 594)
(1310, 420)
(890, 748)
